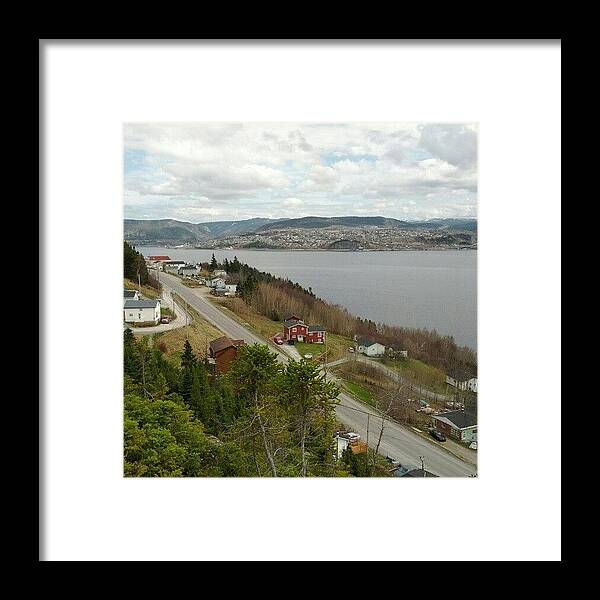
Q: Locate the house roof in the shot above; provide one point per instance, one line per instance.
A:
(316, 328)
(293, 322)
(461, 374)
(413, 473)
(223, 343)
(457, 418)
(145, 303)
(129, 293)
(363, 341)
(159, 257)
(292, 316)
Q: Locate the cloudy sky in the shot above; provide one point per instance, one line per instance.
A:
(227, 171)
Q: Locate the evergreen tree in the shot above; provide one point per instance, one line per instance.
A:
(188, 364)
(213, 263)
(310, 400)
(131, 358)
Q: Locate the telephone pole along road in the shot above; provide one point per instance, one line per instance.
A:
(398, 442)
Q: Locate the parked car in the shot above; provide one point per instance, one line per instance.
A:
(350, 349)
(353, 437)
(308, 356)
(165, 319)
(393, 461)
(436, 435)
(278, 341)
(473, 445)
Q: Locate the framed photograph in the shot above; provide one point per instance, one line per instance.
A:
(282, 280)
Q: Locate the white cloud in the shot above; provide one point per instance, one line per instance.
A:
(226, 170)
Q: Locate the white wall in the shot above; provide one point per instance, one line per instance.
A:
(142, 315)
(374, 350)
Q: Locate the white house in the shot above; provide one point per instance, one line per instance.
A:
(216, 282)
(219, 273)
(230, 288)
(187, 270)
(458, 424)
(131, 295)
(462, 380)
(342, 444)
(142, 311)
(370, 348)
(173, 266)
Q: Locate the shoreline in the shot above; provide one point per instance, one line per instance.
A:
(156, 245)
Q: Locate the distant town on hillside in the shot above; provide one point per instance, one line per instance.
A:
(308, 233)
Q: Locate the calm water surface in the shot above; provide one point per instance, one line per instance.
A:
(433, 290)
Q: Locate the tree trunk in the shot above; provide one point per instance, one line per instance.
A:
(302, 447)
(264, 438)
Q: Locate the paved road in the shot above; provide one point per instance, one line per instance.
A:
(398, 441)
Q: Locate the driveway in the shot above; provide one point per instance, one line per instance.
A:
(166, 300)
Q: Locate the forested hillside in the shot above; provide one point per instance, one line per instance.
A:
(134, 265)
(261, 419)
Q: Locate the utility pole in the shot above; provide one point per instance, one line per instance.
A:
(422, 464)
(368, 421)
(139, 284)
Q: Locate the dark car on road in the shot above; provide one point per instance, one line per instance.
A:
(436, 435)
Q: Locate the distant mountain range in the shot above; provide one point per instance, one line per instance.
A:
(180, 232)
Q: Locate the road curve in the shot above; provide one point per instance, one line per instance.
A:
(398, 442)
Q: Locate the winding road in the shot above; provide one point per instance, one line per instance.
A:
(397, 442)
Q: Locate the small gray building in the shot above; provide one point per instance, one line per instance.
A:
(188, 270)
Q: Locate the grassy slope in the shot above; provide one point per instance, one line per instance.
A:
(414, 370)
(147, 291)
(337, 346)
(360, 392)
(199, 333)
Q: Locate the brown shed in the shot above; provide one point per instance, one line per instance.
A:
(224, 350)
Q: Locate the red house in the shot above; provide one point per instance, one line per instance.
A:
(296, 330)
(316, 334)
(223, 350)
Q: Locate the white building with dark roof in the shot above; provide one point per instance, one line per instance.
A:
(462, 379)
(457, 424)
(141, 311)
(370, 347)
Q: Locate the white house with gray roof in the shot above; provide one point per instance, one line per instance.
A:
(187, 270)
(141, 311)
(458, 424)
(370, 348)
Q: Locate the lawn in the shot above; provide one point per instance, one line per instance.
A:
(336, 347)
(147, 291)
(418, 372)
(360, 392)
(199, 333)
